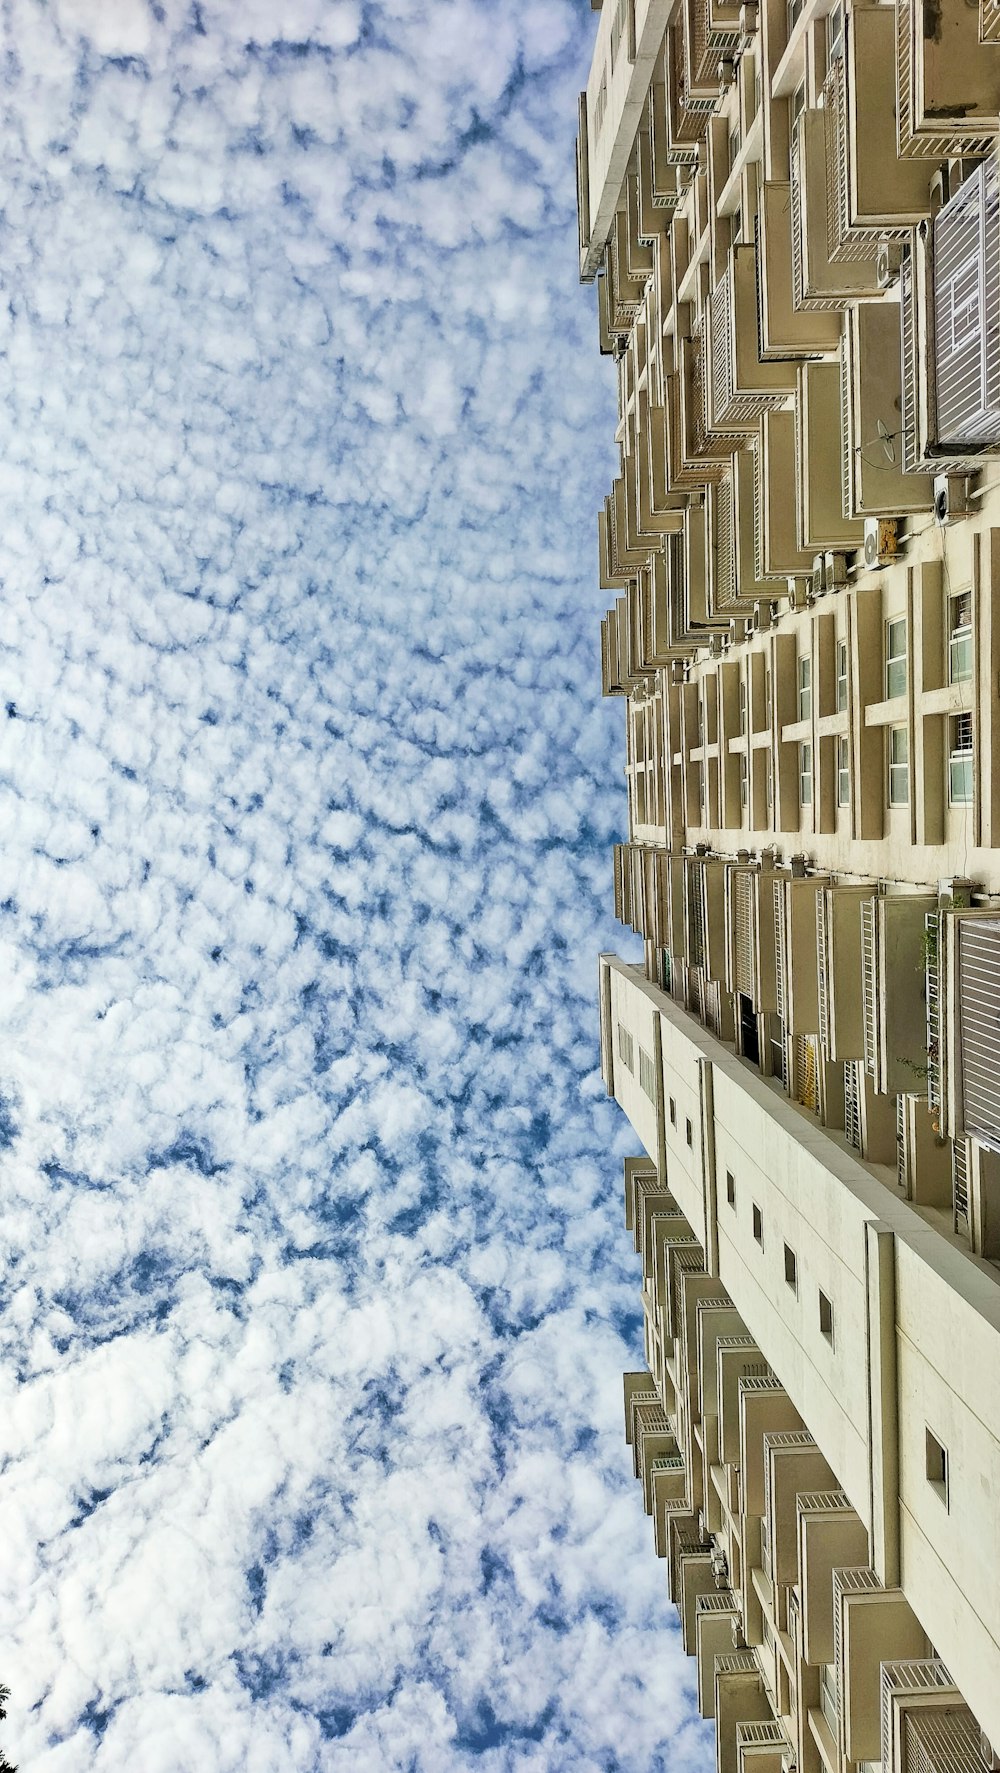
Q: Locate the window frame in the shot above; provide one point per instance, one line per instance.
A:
(897, 668)
(898, 768)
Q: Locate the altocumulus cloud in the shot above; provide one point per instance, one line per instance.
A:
(313, 1298)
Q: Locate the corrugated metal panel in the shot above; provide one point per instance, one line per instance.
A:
(979, 1026)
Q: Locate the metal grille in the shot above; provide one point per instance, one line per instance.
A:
(758, 510)
(959, 1182)
(966, 247)
(797, 216)
(852, 1105)
(989, 21)
(941, 1741)
(779, 945)
(899, 1679)
(902, 1166)
(743, 943)
(909, 335)
(979, 1026)
(822, 979)
(913, 137)
(806, 1076)
(765, 1735)
(847, 414)
(696, 913)
(715, 1603)
(725, 542)
(869, 983)
(932, 939)
(722, 352)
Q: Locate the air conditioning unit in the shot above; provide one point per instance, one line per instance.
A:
(951, 497)
(720, 1568)
(890, 257)
(835, 568)
(818, 575)
(788, 1764)
(739, 1641)
(881, 541)
(986, 1749)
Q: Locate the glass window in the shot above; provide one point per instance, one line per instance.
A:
(841, 676)
(899, 766)
(835, 33)
(960, 761)
(960, 638)
(743, 781)
(743, 706)
(805, 688)
(843, 772)
(805, 775)
(895, 657)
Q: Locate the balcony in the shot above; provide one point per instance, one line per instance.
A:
(949, 83)
(872, 1625)
(874, 483)
(830, 1537)
(892, 975)
(785, 330)
(950, 304)
(818, 281)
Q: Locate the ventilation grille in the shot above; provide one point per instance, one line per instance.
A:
(743, 933)
(932, 939)
(960, 1182)
(779, 947)
(852, 1105)
(822, 979)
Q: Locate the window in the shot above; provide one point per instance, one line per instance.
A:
(841, 676)
(758, 1225)
(744, 795)
(730, 1188)
(798, 102)
(960, 638)
(689, 1133)
(960, 760)
(805, 688)
(825, 1316)
(768, 786)
(895, 657)
(673, 1112)
(899, 766)
(835, 33)
(805, 775)
(743, 705)
(791, 1268)
(937, 1466)
(647, 1075)
(843, 771)
(625, 1046)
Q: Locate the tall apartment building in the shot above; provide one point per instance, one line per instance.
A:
(792, 211)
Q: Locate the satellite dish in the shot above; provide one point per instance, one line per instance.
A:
(887, 439)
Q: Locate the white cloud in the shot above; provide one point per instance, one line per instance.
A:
(314, 1307)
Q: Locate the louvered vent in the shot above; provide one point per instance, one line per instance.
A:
(910, 367)
(979, 1026)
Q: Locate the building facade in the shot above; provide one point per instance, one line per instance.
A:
(792, 212)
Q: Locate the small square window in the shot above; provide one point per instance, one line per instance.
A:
(758, 1225)
(689, 1133)
(825, 1315)
(937, 1466)
(791, 1268)
(731, 1188)
(673, 1112)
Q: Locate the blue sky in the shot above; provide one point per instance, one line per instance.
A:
(315, 1297)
